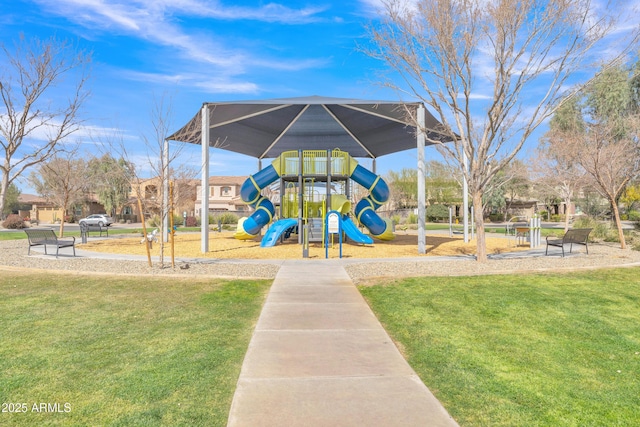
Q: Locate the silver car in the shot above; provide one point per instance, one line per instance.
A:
(97, 219)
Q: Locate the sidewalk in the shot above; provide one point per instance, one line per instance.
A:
(319, 357)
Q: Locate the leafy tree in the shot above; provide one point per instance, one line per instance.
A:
(495, 198)
(493, 72)
(404, 188)
(11, 200)
(604, 136)
(443, 184)
(111, 181)
(631, 196)
(35, 118)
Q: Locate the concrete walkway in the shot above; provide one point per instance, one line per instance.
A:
(319, 357)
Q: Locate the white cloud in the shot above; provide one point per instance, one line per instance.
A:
(158, 21)
(206, 82)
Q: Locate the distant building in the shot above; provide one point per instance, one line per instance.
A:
(39, 210)
(224, 195)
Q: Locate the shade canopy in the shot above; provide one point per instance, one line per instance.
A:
(266, 128)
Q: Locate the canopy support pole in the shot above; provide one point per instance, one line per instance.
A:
(465, 197)
(204, 190)
(165, 191)
(422, 240)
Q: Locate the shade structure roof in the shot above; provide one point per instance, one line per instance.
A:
(266, 128)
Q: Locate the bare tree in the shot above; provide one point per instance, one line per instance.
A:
(62, 180)
(160, 160)
(605, 135)
(556, 172)
(160, 157)
(31, 125)
(610, 165)
(506, 62)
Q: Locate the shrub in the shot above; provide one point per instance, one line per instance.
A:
(412, 219)
(154, 221)
(192, 221)
(14, 222)
(634, 216)
(585, 222)
(395, 219)
(178, 220)
(601, 230)
(496, 217)
(437, 211)
(225, 218)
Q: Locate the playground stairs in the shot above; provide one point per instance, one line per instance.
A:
(315, 229)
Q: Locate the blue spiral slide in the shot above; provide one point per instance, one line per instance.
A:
(248, 228)
(365, 211)
(366, 208)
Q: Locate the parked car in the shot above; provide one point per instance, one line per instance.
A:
(97, 219)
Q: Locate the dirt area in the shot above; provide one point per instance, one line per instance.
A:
(224, 245)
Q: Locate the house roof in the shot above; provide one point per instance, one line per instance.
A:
(31, 199)
(266, 128)
(227, 180)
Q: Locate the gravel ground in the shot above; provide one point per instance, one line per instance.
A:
(13, 255)
(600, 256)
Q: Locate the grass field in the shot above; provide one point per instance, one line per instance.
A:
(122, 351)
(522, 350)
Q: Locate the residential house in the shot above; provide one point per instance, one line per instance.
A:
(150, 192)
(40, 210)
(224, 195)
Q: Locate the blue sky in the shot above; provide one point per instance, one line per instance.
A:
(193, 51)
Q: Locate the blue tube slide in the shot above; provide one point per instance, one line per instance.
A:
(248, 228)
(365, 210)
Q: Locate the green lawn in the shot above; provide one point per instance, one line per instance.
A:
(522, 350)
(122, 351)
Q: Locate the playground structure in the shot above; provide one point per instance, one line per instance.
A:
(303, 206)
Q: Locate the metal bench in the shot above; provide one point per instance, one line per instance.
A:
(44, 237)
(94, 227)
(577, 235)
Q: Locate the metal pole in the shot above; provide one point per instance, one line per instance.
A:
(171, 233)
(472, 224)
(300, 195)
(465, 198)
(204, 191)
(165, 191)
(422, 241)
(328, 180)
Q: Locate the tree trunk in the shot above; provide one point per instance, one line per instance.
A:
(4, 185)
(61, 230)
(481, 251)
(616, 218)
(566, 214)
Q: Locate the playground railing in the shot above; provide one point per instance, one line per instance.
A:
(314, 162)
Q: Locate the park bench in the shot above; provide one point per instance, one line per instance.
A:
(577, 235)
(44, 237)
(95, 227)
